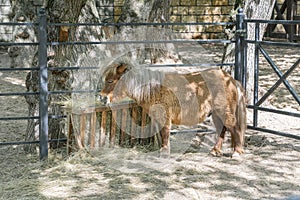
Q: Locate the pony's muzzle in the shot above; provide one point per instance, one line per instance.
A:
(104, 99)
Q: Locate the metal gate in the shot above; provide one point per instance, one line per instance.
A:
(256, 104)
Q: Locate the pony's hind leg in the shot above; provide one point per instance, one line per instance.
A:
(236, 141)
(220, 131)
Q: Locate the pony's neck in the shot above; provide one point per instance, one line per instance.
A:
(143, 84)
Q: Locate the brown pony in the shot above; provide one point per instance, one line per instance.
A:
(181, 99)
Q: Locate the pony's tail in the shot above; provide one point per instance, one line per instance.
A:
(241, 112)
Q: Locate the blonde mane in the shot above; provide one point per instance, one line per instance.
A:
(140, 82)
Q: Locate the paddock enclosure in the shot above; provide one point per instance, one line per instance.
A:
(240, 73)
(270, 167)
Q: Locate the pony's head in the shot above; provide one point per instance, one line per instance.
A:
(110, 79)
(124, 79)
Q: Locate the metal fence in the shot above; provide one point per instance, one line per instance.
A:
(242, 44)
(256, 105)
(240, 64)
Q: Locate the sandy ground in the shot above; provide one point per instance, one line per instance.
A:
(270, 168)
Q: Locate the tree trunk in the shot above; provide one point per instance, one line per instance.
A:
(73, 11)
(156, 11)
(253, 10)
(66, 11)
(229, 48)
(61, 11)
(24, 11)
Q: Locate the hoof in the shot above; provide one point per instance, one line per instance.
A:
(237, 153)
(164, 153)
(216, 152)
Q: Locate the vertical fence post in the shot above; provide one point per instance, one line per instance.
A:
(256, 71)
(43, 84)
(240, 64)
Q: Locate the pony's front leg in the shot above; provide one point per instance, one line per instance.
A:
(165, 142)
(217, 150)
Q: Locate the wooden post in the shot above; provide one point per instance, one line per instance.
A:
(123, 126)
(93, 129)
(133, 126)
(112, 138)
(80, 138)
(70, 141)
(102, 129)
(144, 132)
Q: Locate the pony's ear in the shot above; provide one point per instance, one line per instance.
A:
(121, 68)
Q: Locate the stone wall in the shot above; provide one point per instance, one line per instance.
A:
(180, 11)
(5, 31)
(186, 11)
(201, 11)
(106, 10)
(194, 11)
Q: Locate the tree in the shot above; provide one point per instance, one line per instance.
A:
(59, 11)
(253, 10)
(75, 11)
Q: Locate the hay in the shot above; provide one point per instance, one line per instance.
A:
(131, 173)
(268, 171)
(17, 174)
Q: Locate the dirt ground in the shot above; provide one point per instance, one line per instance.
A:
(269, 169)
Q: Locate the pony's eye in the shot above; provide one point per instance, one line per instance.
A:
(110, 81)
